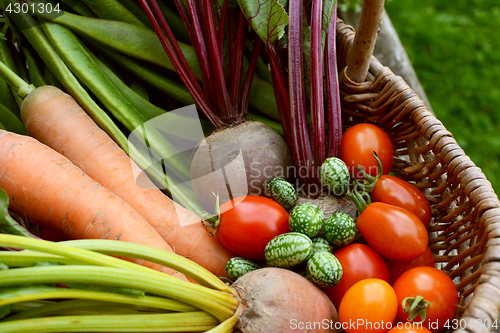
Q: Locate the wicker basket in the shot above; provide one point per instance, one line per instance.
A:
(465, 232)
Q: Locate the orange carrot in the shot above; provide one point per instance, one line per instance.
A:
(46, 188)
(55, 118)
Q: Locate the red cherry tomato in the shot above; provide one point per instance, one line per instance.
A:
(369, 306)
(358, 144)
(435, 287)
(358, 262)
(397, 192)
(396, 268)
(248, 223)
(393, 232)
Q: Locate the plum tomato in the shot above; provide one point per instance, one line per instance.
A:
(359, 142)
(248, 223)
(359, 262)
(397, 192)
(393, 232)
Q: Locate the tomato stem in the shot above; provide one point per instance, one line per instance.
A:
(368, 183)
(361, 199)
(414, 307)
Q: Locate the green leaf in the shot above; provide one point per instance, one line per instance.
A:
(267, 18)
(7, 224)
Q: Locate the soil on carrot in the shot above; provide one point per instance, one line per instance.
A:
(454, 46)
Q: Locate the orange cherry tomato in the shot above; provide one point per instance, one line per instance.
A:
(369, 306)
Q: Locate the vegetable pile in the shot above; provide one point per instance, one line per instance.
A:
(195, 222)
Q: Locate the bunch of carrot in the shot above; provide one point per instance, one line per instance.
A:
(76, 177)
(105, 201)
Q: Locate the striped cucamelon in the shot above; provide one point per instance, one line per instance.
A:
(320, 244)
(340, 229)
(237, 267)
(288, 250)
(334, 175)
(282, 192)
(324, 269)
(306, 218)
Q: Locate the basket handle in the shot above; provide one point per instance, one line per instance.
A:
(361, 52)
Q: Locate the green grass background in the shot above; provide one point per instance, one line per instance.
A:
(454, 46)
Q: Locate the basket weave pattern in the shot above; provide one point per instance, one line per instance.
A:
(465, 232)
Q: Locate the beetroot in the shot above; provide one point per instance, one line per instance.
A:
(279, 300)
(237, 161)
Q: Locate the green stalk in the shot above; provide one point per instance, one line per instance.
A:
(30, 258)
(63, 307)
(167, 259)
(82, 251)
(79, 255)
(219, 304)
(19, 85)
(165, 322)
(64, 293)
(27, 306)
(227, 325)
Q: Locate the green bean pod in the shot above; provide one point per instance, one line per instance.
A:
(35, 74)
(113, 10)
